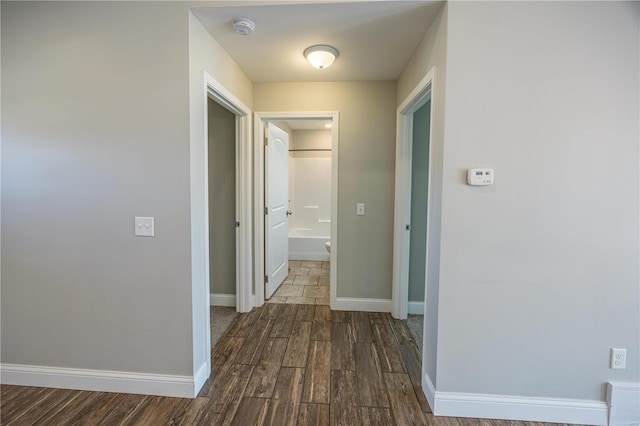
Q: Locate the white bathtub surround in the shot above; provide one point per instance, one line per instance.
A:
(303, 247)
(310, 195)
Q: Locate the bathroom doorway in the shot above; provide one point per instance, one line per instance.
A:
(312, 207)
(308, 211)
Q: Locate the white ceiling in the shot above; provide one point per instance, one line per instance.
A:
(375, 39)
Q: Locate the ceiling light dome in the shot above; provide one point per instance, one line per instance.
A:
(321, 56)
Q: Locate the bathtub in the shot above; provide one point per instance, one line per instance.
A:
(307, 247)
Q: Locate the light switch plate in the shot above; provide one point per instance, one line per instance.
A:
(144, 227)
(360, 209)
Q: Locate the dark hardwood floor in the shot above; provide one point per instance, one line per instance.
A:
(280, 364)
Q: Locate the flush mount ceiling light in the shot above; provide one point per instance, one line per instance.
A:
(243, 26)
(321, 56)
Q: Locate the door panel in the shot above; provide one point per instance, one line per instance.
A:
(277, 200)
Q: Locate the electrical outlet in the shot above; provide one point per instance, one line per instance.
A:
(618, 358)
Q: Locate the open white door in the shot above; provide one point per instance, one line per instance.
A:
(276, 200)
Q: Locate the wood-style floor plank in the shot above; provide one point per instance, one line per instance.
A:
(286, 396)
(50, 404)
(289, 384)
(225, 351)
(298, 346)
(361, 327)
(228, 389)
(122, 409)
(242, 324)
(313, 414)
(271, 311)
(263, 379)
(388, 351)
(284, 322)
(345, 409)
(371, 389)
(194, 412)
(373, 416)
(73, 412)
(321, 326)
(412, 362)
(252, 411)
(154, 411)
(404, 404)
(340, 316)
(378, 317)
(255, 341)
(305, 313)
(12, 403)
(401, 332)
(316, 383)
(281, 413)
(342, 346)
(278, 365)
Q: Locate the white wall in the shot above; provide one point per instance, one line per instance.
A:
(542, 279)
(94, 131)
(366, 173)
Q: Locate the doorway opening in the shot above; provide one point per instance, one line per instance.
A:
(213, 91)
(223, 253)
(414, 242)
(306, 197)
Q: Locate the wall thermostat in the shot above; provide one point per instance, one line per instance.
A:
(480, 177)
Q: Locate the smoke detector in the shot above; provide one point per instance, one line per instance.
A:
(243, 26)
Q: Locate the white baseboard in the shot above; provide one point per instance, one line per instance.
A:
(624, 403)
(318, 257)
(551, 410)
(201, 376)
(415, 308)
(429, 390)
(369, 305)
(99, 380)
(217, 299)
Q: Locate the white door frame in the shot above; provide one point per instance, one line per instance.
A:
(258, 172)
(214, 90)
(402, 211)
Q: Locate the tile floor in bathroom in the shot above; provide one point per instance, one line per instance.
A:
(307, 284)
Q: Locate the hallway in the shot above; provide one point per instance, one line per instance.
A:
(281, 364)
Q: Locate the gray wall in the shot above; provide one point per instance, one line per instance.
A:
(540, 284)
(222, 199)
(419, 202)
(366, 173)
(432, 53)
(95, 131)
